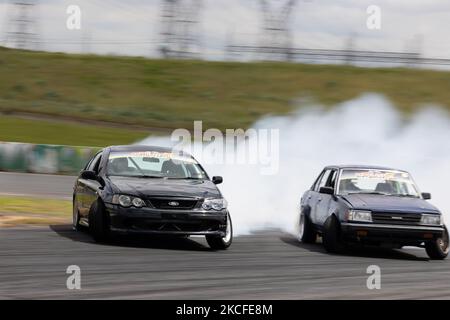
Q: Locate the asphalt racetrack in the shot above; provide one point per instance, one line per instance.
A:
(265, 265)
(39, 185)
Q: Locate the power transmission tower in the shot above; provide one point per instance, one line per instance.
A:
(350, 48)
(276, 40)
(22, 27)
(179, 28)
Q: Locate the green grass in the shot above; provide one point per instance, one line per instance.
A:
(13, 204)
(172, 94)
(33, 211)
(15, 129)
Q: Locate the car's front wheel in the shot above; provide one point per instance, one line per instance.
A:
(75, 218)
(99, 222)
(222, 243)
(306, 234)
(438, 249)
(332, 240)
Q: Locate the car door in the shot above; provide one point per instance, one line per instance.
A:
(79, 189)
(89, 188)
(324, 200)
(309, 197)
(315, 196)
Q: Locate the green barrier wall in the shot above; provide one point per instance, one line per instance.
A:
(39, 158)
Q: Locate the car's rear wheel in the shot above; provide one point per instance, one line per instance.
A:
(222, 243)
(98, 222)
(306, 234)
(438, 249)
(332, 240)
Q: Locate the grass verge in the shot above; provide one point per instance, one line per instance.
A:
(173, 93)
(14, 129)
(19, 211)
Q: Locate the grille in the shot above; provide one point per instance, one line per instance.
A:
(396, 218)
(173, 203)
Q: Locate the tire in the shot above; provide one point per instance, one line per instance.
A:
(332, 236)
(438, 249)
(307, 234)
(99, 223)
(222, 243)
(75, 219)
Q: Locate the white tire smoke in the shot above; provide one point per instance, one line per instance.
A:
(366, 130)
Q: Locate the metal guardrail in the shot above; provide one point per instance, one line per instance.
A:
(297, 54)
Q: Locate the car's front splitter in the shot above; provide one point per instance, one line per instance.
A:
(169, 233)
(391, 233)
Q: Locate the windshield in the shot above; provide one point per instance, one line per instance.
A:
(386, 182)
(152, 164)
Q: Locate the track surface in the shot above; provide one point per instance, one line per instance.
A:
(38, 185)
(269, 265)
(263, 266)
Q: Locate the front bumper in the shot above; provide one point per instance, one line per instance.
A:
(166, 222)
(390, 233)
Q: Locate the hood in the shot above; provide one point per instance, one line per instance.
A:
(389, 203)
(165, 187)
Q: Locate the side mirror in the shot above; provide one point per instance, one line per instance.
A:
(426, 196)
(88, 175)
(217, 180)
(327, 190)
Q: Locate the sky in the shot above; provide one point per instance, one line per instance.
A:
(132, 27)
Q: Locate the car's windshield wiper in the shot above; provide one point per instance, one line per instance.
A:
(185, 178)
(150, 177)
(379, 193)
(405, 195)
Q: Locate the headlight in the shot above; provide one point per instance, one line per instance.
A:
(125, 201)
(216, 204)
(359, 215)
(128, 201)
(431, 219)
(138, 202)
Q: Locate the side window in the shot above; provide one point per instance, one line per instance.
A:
(89, 163)
(93, 166)
(332, 181)
(316, 183)
(323, 180)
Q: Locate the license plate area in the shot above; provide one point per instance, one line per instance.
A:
(173, 216)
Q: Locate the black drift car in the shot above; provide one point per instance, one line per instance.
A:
(373, 206)
(151, 190)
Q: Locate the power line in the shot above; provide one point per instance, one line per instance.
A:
(180, 35)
